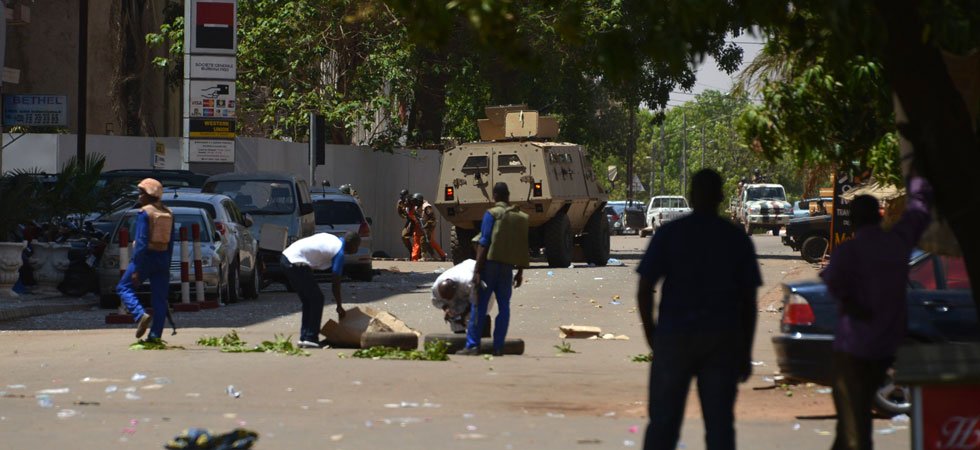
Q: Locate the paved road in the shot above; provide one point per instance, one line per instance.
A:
(594, 398)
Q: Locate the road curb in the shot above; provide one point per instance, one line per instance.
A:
(20, 312)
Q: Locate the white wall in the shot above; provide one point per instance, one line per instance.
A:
(376, 176)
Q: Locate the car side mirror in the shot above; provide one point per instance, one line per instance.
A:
(369, 221)
(305, 208)
(247, 221)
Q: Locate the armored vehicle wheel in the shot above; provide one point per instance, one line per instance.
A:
(813, 248)
(460, 245)
(595, 242)
(558, 242)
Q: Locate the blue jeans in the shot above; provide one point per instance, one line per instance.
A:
(157, 270)
(499, 279)
(302, 281)
(676, 360)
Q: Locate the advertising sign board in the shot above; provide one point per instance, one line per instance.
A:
(212, 128)
(212, 67)
(212, 150)
(35, 110)
(214, 26)
(210, 98)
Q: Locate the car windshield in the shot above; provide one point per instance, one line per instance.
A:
(257, 197)
(193, 204)
(330, 212)
(766, 193)
(180, 220)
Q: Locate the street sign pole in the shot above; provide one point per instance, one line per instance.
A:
(82, 104)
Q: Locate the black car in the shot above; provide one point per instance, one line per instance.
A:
(809, 236)
(940, 309)
(169, 178)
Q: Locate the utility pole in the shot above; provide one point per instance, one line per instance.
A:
(684, 156)
(663, 156)
(702, 146)
(653, 160)
(82, 104)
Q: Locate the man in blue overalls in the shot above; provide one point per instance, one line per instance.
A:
(503, 247)
(152, 248)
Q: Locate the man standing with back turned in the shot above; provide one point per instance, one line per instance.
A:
(503, 246)
(706, 321)
(152, 248)
(868, 275)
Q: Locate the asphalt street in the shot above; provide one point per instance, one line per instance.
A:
(70, 381)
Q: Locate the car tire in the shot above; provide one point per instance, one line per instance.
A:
(460, 245)
(558, 241)
(399, 340)
(234, 286)
(595, 242)
(813, 249)
(512, 346)
(254, 285)
(109, 301)
(362, 273)
(892, 399)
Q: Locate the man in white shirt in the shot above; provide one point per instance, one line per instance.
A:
(321, 251)
(452, 293)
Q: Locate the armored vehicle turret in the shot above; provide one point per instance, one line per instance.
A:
(551, 181)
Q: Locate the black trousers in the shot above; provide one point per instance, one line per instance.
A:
(301, 279)
(855, 382)
(712, 359)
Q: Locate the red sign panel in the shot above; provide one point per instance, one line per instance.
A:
(215, 25)
(950, 418)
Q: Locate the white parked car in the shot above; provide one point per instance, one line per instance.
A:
(664, 208)
(214, 258)
(337, 213)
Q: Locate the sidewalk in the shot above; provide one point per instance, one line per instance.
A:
(14, 306)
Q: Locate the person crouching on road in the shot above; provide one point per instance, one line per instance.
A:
(152, 249)
(453, 293)
(503, 247)
(318, 252)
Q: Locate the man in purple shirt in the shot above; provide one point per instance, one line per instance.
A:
(868, 275)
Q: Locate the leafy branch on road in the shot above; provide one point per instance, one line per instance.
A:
(231, 343)
(642, 358)
(433, 351)
(565, 347)
(153, 344)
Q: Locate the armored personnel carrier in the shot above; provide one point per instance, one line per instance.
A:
(551, 181)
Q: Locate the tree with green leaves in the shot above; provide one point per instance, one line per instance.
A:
(922, 45)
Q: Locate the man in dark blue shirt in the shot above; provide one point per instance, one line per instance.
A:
(706, 320)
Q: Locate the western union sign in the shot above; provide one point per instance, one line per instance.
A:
(212, 128)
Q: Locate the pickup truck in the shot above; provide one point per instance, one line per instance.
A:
(762, 205)
(809, 236)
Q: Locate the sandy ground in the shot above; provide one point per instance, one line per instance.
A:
(541, 400)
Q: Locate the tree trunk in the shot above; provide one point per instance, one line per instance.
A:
(939, 126)
(429, 105)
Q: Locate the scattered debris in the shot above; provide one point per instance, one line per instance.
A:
(589, 441)
(232, 392)
(578, 331)
(642, 358)
(359, 320)
(66, 413)
(87, 403)
(825, 390)
(53, 391)
(564, 347)
(229, 340)
(138, 377)
(614, 262)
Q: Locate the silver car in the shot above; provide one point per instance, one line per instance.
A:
(337, 213)
(214, 258)
(244, 276)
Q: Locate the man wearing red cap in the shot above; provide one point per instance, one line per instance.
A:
(152, 249)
